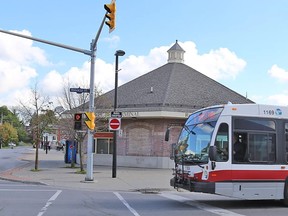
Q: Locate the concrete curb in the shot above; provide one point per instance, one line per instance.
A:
(8, 175)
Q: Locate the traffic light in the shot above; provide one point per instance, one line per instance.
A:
(111, 15)
(78, 121)
(91, 120)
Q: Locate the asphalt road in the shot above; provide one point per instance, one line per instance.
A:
(9, 158)
(29, 200)
(37, 200)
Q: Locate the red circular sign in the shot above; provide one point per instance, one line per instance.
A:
(114, 124)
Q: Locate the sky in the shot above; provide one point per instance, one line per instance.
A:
(241, 44)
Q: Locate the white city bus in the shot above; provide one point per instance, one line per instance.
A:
(254, 168)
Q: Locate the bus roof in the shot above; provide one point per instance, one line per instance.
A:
(255, 110)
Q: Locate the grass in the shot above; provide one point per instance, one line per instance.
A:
(80, 172)
(77, 171)
(34, 170)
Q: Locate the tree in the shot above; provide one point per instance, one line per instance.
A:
(8, 134)
(12, 118)
(74, 103)
(40, 119)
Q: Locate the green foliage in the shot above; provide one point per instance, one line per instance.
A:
(45, 122)
(80, 172)
(6, 116)
(8, 134)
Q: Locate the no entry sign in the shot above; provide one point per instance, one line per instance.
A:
(114, 123)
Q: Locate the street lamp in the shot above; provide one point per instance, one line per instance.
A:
(114, 161)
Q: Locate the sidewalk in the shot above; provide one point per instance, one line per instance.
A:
(54, 172)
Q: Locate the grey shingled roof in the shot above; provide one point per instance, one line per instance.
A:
(175, 87)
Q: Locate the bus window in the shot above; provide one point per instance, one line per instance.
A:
(262, 147)
(259, 137)
(239, 147)
(286, 140)
(254, 124)
(221, 143)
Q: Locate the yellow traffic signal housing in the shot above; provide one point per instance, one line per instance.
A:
(111, 15)
(91, 120)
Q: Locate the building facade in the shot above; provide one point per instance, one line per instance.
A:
(149, 105)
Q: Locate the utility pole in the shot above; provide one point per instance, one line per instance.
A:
(114, 158)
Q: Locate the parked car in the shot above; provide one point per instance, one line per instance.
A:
(12, 145)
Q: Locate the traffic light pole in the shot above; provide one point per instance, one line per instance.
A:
(93, 48)
(92, 54)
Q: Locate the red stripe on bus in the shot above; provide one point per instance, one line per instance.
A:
(249, 175)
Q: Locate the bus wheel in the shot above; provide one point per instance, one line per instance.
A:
(285, 200)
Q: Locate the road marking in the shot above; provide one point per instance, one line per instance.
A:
(202, 206)
(49, 202)
(133, 211)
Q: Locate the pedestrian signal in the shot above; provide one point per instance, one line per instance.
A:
(78, 121)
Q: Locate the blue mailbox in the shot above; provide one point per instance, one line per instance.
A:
(70, 151)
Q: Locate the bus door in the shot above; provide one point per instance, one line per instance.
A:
(220, 169)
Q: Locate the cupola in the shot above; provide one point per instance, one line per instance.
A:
(176, 54)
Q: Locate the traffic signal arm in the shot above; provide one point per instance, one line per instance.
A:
(90, 122)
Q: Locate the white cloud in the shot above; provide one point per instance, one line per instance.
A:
(281, 75)
(135, 66)
(218, 64)
(280, 99)
(278, 73)
(276, 99)
(21, 50)
(14, 76)
(112, 41)
(52, 82)
(17, 58)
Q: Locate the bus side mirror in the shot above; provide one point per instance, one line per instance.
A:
(167, 134)
(212, 153)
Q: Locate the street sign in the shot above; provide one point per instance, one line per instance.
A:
(116, 114)
(114, 123)
(79, 90)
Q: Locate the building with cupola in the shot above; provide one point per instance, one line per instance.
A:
(161, 98)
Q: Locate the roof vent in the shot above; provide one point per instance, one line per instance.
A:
(151, 89)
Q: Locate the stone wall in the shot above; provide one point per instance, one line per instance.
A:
(145, 137)
(140, 143)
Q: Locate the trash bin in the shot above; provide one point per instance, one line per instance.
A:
(70, 151)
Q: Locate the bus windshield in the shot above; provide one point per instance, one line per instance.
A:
(194, 140)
